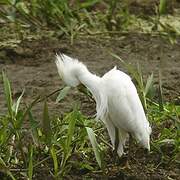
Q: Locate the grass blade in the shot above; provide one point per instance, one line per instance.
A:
(149, 84)
(46, 123)
(141, 87)
(62, 93)
(160, 96)
(95, 146)
(89, 3)
(8, 94)
(16, 105)
(55, 161)
(162, 7)
(33, 125)
(30, 166)
(71, 128)
(67, 148)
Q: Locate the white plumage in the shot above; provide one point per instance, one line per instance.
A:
(117, 102)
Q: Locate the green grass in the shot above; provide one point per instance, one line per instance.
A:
(81, 18)
(50, 143)
(53, 145)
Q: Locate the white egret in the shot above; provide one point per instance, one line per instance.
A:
(117, 102)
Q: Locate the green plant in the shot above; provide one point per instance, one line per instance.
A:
(162, 9)
(54, 139)
(62, 15)
(167, 142)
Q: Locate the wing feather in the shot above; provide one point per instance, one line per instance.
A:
(125, 107)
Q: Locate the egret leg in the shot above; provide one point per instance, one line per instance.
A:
(130, 153)
(120, 140)
(116, 143)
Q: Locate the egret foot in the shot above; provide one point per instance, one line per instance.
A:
(129, 155)
(124, 163)
(127, 165)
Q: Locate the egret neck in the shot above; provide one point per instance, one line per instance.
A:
(95, 85)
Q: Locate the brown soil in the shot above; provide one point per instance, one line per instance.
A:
(31, 66)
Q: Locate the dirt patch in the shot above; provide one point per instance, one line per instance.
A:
(31, 66)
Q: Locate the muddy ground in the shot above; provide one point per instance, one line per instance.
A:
(31, 66)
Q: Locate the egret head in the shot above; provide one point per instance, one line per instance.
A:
(69, 69)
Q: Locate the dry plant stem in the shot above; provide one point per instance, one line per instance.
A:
(122, 33)
(45, 159)
(49, 95)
